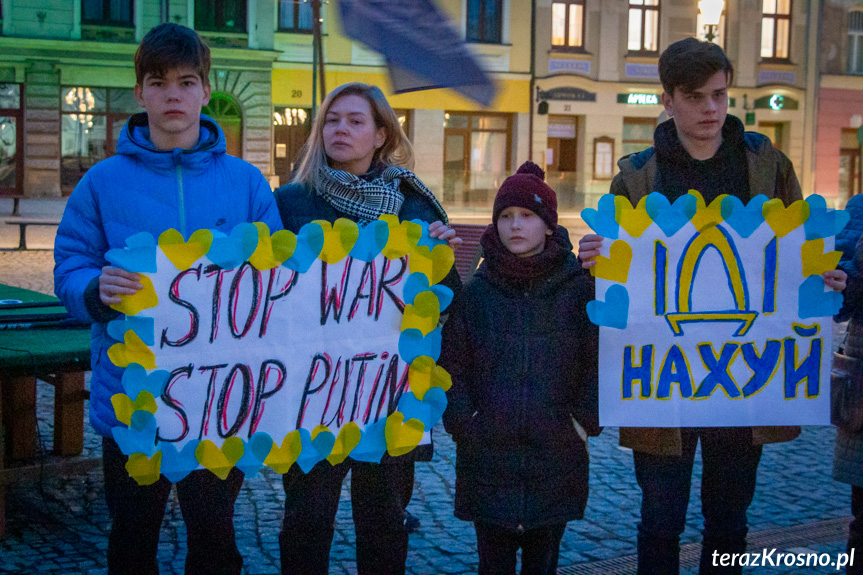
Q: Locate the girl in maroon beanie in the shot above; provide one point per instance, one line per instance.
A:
(523, 359)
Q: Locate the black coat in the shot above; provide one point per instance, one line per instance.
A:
(523, 360)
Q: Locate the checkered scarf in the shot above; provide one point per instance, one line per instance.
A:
(365, 200)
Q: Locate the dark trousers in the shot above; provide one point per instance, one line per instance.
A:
(855, 532)
(378, 499)
(207, 504)
(497, 547)
(730, 463)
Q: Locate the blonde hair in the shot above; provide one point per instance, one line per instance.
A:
(396, 150)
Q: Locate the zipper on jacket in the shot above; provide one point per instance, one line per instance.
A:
(181, 200)
(525, 374)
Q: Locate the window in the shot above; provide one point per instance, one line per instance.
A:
(91, 121)
(855, 42)
(603, 158)
(719, 32)
(228, 115)
(220, 15)
(637, 134)
(11, 140)
(295, 16)
(484, 21)
(643, 26)
(775, 29)
(567, 25)
(477, 150)
(108, 12)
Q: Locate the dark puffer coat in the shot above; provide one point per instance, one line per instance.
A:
(523, 360)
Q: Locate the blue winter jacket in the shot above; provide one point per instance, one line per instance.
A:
(142, 189)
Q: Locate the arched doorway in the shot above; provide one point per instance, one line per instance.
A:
(226, 112)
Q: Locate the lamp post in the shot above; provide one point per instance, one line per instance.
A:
(711, 12)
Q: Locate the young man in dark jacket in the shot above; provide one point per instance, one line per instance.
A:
(701, 147)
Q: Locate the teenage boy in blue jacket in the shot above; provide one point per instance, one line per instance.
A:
(170, 171)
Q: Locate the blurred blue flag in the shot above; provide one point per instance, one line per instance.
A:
(422, 49)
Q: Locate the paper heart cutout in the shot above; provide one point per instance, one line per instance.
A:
(348, 439)
(426, 239)
(133, 350)
(124, 407)
(220, 460)
(670, 217)
(255, 451)
(176, 465)
(139, 255)
(229, 252)
(402, 436)
(339, 238)
(282, 457)
(614, 311)
(139, 437)
(744, 219)
(316, 447)
(371, 240)
(310, 242)
(142, 299)
(273, 250)
(823, 222)
(615, 267)
(785, 220)
(813, 301)
(403, 237)
(413, 344)
(144, 470)
(815, 261)
(423, 375)
(428, 410)
(144, 328)
(706, 216)
(634, 220)
(419, 282)
(184, 253)
(603, 220)
(423, 314)
(135, 380)
(434, 264)
(373, 443)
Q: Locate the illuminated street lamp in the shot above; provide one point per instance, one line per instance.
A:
(711, 12)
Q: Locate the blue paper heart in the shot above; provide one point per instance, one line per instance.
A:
(823, 222)
(176, 465)
(425, 238)
(743, 219)
(310, 242)
(428, 410)
(602, 220)
(671, 217)
(135, 380)
(813, 301)
(144, 327)
(373, 443)
(140, 436)
(228, 252)
(412, 344)
(314, 451)
(614, 311)
(372, 239)
(419, 282)
(255, 451)
(139, 255)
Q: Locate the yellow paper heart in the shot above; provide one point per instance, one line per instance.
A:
(273, 250)
(349, 437)
(424, 374)
(633, 220)
(220, 461)
(434, 264)
(423, 314)
(403, 237)
(282, 457)
(707, 216)
(133, 350)
(144, 470)
(615, 267)
(124, 407)
(339, 238)
(402, 436)
(142, 299)
(184, 253)
(785, 220)
(815, 261)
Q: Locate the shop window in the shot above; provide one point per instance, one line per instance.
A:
(291, 129)
(108, 12)
(477, 156)
(855, 41)
(637, 134)
(603, 158)
(11, 140)
(484, 21)
(227, 113)
(849, 165)
(91, 120)
(404, 117)
(295, 16)
(775, 29)
(719, 32)
(643, 34)
(567, 25)
(220, 15)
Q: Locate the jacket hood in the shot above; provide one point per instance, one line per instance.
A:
(135, 141)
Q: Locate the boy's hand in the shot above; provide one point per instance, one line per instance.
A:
(588, 249)
(442, 231)
(835, 279)
(115, 282)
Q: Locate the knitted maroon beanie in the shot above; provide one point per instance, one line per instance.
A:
(527, 189)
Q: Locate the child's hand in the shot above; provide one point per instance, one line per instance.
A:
(588, 249)
(115, 282)
(835, 279)
(440, 230)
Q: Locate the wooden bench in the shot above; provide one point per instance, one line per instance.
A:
(23, 221)
(469, 253)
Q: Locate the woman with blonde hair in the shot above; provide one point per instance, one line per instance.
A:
(356, 165)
